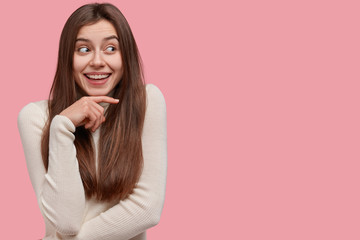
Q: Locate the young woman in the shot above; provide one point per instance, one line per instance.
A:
(96, 151)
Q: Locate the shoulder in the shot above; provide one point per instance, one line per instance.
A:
(154, 96)
(155, 117)
(34, 112)
(35, 108)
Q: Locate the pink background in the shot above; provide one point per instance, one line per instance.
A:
(263, 117)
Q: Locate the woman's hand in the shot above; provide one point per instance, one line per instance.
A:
(86, 111)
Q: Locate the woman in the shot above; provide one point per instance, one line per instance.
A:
(96, 151)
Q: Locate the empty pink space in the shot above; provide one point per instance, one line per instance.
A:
(263, 113)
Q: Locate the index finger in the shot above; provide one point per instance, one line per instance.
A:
(105, 99)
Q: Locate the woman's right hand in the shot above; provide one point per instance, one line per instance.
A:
(86, 111)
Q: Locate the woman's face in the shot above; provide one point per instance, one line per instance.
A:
(97, 59)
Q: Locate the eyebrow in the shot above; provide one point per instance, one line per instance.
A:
(105, 39)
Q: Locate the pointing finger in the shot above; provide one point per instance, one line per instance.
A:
(106, 99)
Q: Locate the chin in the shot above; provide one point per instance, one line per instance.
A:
(98, 92)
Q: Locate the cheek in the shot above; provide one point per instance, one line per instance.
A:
(115, 62)
(79, 63)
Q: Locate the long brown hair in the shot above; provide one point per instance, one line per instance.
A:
(120, 157)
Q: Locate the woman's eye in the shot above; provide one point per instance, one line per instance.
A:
(110, 49)
(83, 49)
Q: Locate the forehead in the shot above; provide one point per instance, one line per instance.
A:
(101, 28)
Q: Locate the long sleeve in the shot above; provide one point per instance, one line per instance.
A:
(142, 209)
(59, 192)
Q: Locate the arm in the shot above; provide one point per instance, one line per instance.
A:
(59, 192)
(142, 209)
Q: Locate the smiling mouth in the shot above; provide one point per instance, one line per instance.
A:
(97, 76)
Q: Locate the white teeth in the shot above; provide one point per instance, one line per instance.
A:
(98, 76)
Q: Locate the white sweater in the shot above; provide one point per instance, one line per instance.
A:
(67, 213)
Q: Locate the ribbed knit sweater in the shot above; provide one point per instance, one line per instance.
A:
(67, 213)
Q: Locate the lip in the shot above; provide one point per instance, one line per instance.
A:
(97, 73)
(97, 82)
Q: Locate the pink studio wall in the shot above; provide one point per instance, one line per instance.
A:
(263, 113)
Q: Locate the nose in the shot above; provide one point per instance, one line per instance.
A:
(97, 60)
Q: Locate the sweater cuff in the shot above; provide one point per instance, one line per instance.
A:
(60, 120)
